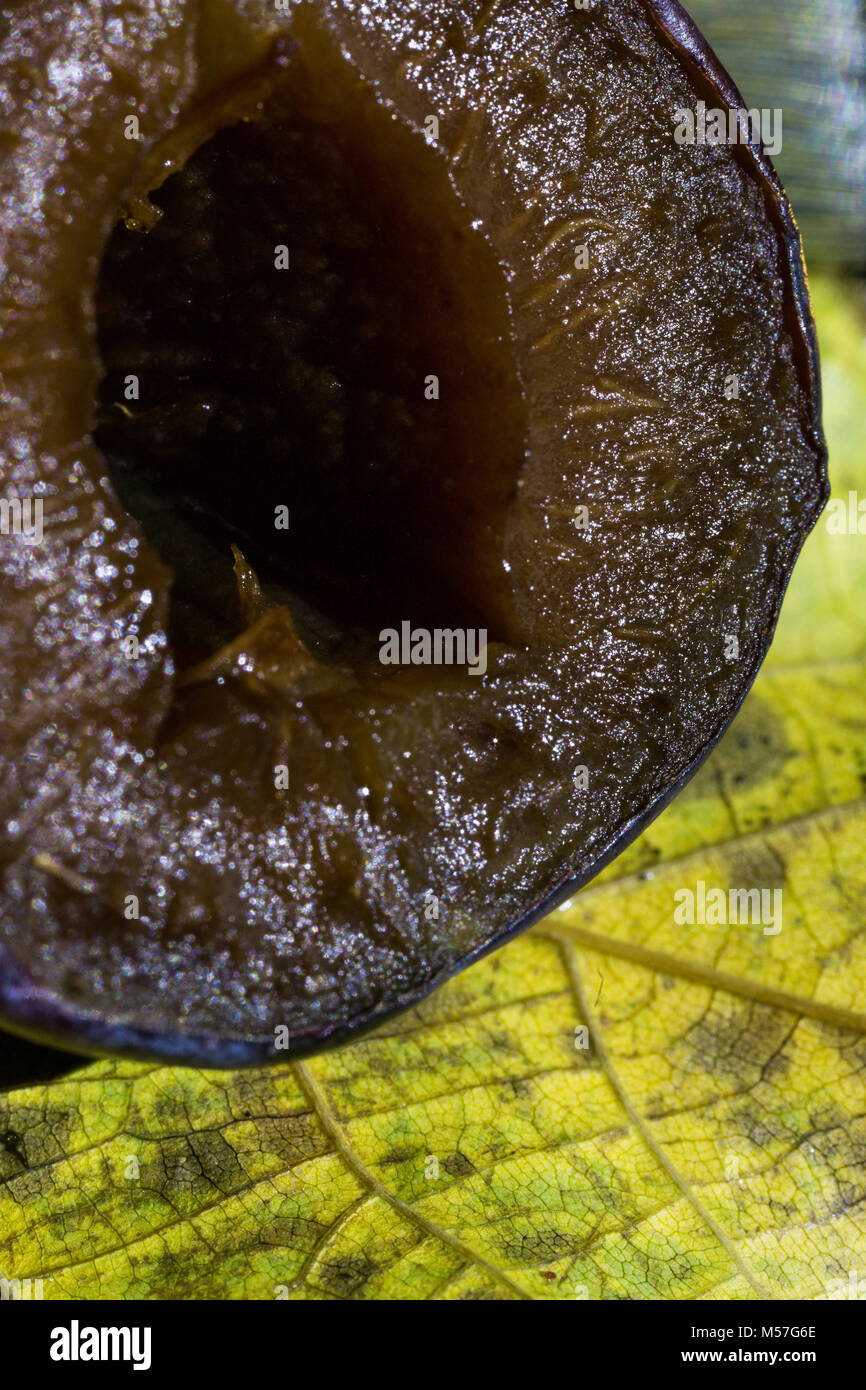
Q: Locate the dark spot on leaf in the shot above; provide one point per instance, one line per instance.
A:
(43, 1132)
(735, 1047)
(217, 1159)
(755, 865)
(754, 750)
(293, 1138)
(12, 1142)
(291, 1232)
(758, 1126)
(175, 1171)
(397, 1155)
(458, 1165)
(538, 1247)
(346, 1276)
(613, 1136)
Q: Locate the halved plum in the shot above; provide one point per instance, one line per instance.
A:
(331, 321)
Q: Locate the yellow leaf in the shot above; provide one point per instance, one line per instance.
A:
(624, 1103)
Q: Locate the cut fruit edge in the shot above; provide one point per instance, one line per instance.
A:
(38, 1015)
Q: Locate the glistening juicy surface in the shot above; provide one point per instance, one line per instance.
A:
(306, 908)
